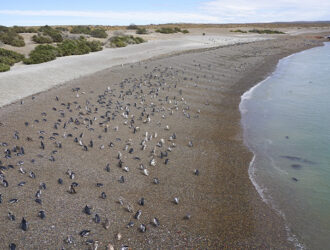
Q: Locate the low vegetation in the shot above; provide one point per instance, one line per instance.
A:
(9, 36)
(4, 67)
(8, 58)
(141, 31)
(239, 31)
(81, 30)
(266, 31)
(54, 34)
(168, 30)
(78, 47)
(132, 27)
(45, 53)
(97, 32)
(20, 29)
(41, 39)
(61, 28)
(123, 41)
(41, 53)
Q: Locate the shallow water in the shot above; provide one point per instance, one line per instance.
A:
(286, 121)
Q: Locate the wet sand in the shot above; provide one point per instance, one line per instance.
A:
(196, 95)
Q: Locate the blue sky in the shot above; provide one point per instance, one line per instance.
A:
(107, 12)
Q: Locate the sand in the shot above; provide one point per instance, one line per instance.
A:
(24, 80)
(225, 209)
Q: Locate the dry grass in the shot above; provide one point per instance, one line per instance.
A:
(191, 25)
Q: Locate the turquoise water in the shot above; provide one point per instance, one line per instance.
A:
(286, 122)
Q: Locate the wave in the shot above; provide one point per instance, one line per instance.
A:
(262, 191)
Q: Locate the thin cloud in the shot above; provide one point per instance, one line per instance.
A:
(268, 11)
(111, 16)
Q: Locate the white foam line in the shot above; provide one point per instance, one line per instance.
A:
(252, 168)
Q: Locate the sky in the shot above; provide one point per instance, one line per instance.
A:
(125, 12)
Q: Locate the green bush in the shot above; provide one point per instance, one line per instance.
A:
(41, 53)
(176, 29)
(239, 31)
(132, 27)
(168, 30)
(20, 29)
(4, 67)
(3, 28)
(41, 39)
(266, 31)
(78, 47)
(11, 54)
(141, 31)
(12, 38)
(53, 33)
(95, 45)
(31, 30)
(45, 53)
(81, 30)
(99, 33)
(61, 28)
(73, 47)
(123, 41)
(8, 58)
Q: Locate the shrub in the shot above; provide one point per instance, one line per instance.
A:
(239, 31)
(73, 47)
(4, 67)
(141, 31)
(12, 38)
(176, 29)
(95, 45)
(41, 39)
(266, 31)
(81, 30)
(61, 28)
(168, 30)
(8, 58)
(41, 53)
(45, 53)
(123, 41)
(3, 28)
(20, 29)
(53, 33)
(132, 27)
(78, 47)
(4, 53)
(31, 30)
(99, 33)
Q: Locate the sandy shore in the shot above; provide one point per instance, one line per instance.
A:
(196, 95)
(24, 80)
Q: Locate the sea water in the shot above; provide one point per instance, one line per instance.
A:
(286, 122)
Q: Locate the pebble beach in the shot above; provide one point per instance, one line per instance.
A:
(143, 155)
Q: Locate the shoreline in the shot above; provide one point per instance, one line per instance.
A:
(225, 207)
(251, 169)
(292, 237)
